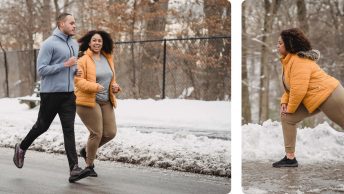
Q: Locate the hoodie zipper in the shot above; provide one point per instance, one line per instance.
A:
(71, 53)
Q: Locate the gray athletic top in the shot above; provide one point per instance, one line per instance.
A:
(104, 76)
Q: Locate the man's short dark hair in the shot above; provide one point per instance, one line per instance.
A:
(61, 18)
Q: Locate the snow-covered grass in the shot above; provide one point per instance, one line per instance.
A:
(265, 143)
(164, 133)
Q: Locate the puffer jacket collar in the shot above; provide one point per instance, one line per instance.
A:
(284, 60)
(313, 55)
(90, 54)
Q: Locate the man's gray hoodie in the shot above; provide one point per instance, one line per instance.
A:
(54, 51)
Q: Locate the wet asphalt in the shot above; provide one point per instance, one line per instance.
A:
(260, 177)
(48, 173)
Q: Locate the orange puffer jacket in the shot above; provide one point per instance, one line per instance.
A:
(307, 82)
(85, 85)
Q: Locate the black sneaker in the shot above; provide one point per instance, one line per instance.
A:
(78, 173)
(19, 156)
(83, 154)
(285, 162)
(92, 173)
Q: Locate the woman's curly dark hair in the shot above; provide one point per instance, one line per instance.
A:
(295, 40)
(85, 40)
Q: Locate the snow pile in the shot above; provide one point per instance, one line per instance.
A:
(174, 114)
(180, 149)
(265, 142)
(255, 191)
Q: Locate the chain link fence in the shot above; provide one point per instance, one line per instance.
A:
(193, 68)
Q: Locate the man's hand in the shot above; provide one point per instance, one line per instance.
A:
(100, 88)
(70, 62)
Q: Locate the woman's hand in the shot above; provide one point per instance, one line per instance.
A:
(115, 88)
(283, 110)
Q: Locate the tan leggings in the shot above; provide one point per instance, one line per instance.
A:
(101, 123)
(333, 108)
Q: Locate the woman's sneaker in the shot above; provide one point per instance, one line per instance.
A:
(92, 172)
(285, 162)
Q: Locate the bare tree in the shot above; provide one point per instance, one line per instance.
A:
(57, 8)
(46, 19)
(149, 82)
(218, 59)
(270, 9)
(246, 106)
(302, 15)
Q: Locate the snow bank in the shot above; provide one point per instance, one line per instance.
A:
(265, 142)
(179, 149)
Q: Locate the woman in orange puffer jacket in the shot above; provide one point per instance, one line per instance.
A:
(308, 90)
(95, 92)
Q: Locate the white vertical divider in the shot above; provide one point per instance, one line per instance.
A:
(236, 145)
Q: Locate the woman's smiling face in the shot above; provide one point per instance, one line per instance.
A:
(96, 43)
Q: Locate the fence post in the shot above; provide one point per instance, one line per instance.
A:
(6, 71)
(164, 72)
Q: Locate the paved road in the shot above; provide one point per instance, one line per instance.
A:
(327, 178)
(48, 173)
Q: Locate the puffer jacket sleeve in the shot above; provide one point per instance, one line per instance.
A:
(300, 74)
(113, 81)
(81, 83)
(285, 98)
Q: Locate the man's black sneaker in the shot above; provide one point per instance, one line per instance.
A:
(19, 156)
(78, 173)
(83, 154)
(285, 162)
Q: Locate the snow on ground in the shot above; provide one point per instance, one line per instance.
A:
(185, 135)
(255, 191)
(265, 142)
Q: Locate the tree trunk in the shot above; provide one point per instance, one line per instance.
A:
(302, 15)
(270, 13)
(57, 8)
(66, 4)
(30, 27)
(133, 80)
(46, 19)
(246, 106)
(227, 52)
(149, 82)
(214, 86)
